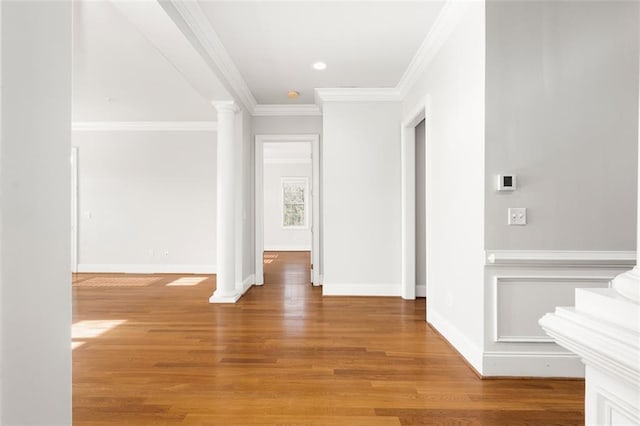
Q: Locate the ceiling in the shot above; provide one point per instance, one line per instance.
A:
(133, 61)
(119, 75)
(364, 43)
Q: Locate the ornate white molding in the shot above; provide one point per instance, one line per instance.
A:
(607, 345)
(264, 110)
(442, 28)
(226, 106)
(203, 33)
(357, 95)
(144, 126)
(609, 259)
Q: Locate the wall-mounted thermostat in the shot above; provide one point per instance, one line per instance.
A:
(506, 182)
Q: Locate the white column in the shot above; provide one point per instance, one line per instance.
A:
(628, 284)
(226, 205)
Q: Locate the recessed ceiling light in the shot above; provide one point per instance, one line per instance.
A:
(319, 66)
(292, 94)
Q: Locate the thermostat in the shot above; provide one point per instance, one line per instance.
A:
(506, 182)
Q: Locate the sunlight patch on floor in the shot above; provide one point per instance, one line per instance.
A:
(89, 329)
(187, 281)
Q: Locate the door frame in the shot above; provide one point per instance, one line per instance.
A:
(314, 140)
(408, 195)
(74, 208)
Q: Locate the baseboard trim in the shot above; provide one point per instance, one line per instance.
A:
(339, 289)
(146, 269)
(248, 283)
(287, 248)
(421, 290)
(532, 364)
(461, 343)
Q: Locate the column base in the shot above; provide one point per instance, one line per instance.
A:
(224, 298)
(628, 284)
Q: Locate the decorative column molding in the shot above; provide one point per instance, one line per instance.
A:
(628, 284)
(226, 205)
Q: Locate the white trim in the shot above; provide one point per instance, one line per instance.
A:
(247, 283)
(146, 269)
(567, 258)
(287, 161)
(74, 209)
(348, 289)
(202, 33)
(447, 20)
(297, 110)
(602, 345)
(144, 126)
(531, 364)
(288, 248)
(469, 350)
(498, 280)
(384, 94)
(260, 140)
(421, 290)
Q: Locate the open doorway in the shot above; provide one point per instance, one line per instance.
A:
(414, 204)
(286, 203)
(421, 214)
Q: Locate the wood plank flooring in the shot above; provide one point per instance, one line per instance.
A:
(284, 355)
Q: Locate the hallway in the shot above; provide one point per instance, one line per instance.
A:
(149, 353)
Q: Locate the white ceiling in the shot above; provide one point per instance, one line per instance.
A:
(364, 43)
(119, 75)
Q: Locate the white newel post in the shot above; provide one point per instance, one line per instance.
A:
(226, 205)
(604, 331)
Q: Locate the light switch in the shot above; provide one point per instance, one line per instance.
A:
(517, 216)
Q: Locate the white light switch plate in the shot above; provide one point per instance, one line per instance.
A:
(517, 216)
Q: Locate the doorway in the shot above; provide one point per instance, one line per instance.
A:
(421, 214)
(413, 133)
(74, 209)
(294, 194)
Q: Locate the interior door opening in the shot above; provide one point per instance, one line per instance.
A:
(287, 204)
(421, 216)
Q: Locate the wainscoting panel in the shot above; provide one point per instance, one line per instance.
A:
(522, 300)
(520, 288)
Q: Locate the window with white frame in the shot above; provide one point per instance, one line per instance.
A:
(294, 202)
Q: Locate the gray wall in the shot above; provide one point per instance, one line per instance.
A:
(562, 114)
(421, 219)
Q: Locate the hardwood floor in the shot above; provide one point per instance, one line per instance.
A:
(162, 355)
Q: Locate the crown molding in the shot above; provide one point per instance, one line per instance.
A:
(144, 126)
(201, 29)
(445, 23)
(384, 94)
(264, 110)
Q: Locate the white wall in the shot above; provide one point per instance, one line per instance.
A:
(454, 84)
(277, 238)
(361, 198)
(147, 201)
(287, 125)
(562, 114)
(34, 211)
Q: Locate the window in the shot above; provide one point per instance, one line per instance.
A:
(294, 202)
